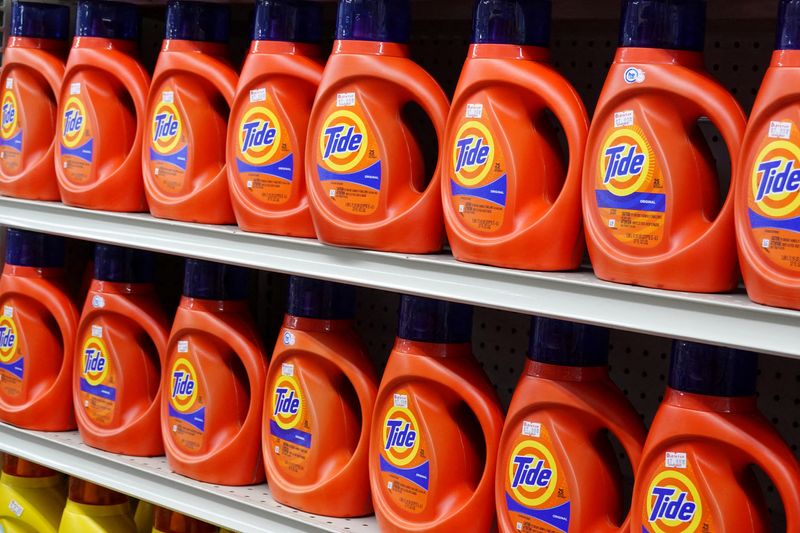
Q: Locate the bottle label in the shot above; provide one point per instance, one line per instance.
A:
(264, 157)
(404, 466)
(12, 362)
(98, 379)
(629, 190)
(169, 146)
(773, 196)
(77, 141)
(187, 411)
(289, 422)
(478, 182)
(348, 158)
(673, 504)
(536, 490)
(10, 131)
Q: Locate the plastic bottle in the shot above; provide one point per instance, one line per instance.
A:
(436, 428)
(505, 196)
(32, 497)
(320, 397)
(167, 521)
(214, 379)
(366, 176)
(37, 334)
(95, 509)
(695, 473)
(650, 190)
(556, 470)
(193, 87)
(101, 111)
(33, 65)
(269, 119)
(122, 340)
(144, 516)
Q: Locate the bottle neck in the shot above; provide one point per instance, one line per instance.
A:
(81, 491)
(125, 289)
(33, 272)
(703, 402)
(371, 48)
(509, 51)
(21, 468)
(55, 45)
(785, 58)
(101, 43)
(565, 373)
(285, 48)
(213, 306)
(685, 58)
(317, 324)
(219, 50)
(432, 349)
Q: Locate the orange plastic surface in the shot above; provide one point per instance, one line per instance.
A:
(81, 491)
(167, 521)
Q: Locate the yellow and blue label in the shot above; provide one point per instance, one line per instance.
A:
(405, 469)
(629, 190)
(673, 503)
(169, 147)
(773, 196)
(478, 179)
(289, 421)
(77, 141)
(536, 491)
(265, 159)
(98, 380)
(10, 130)
(348, 158)
(12, 362)
(186, 403)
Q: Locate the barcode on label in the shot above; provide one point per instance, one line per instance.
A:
(167, 97)
(345, 99)
(287, 369)
(531, 429)
(183, 346)
(623, 118)
(75, 88)
(258, 95)
(8, 311)
(780, 130)
(15, 508)
(97, 331)
(401, 400)
(675, 460)
(474, 110)
(9, 83)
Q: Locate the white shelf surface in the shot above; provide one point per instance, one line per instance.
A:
(727, 319)
(241, 509)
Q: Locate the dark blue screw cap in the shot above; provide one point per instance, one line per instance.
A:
(108, 20)
(374, 20)
(40, 21)
(215, 281)
(123, 265)
(558, 342)
(788, 34)
(197, 21)
(32, 249)
(712, 370)
(666, 24)
(288, 20)
(315, 298)
(428, 320)
(520, 22)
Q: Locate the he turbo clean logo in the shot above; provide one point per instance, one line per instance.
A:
(344, 141)
(259, 136)
(8, 339)
(287, 403)
(473, 153)
(10, 118)
(94, 361)
(673, 504)
(183, 386)
(166, 128)
(532, 473)
(73, 122)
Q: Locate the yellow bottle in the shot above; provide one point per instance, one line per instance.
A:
(167, 521)
(95, 509)
(32, 497)
(144, 516)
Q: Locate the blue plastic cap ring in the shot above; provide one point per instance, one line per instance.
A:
(123, 265)
(788, 33)
(215, 281)
(31, 249)
(288, 20)
(663, 24)
(374, 20)
(712, 370)
(315, 298)
(107, 20)
(427, 320)
(519, 22)
(558, 342)
(197, 21)
(40, 21)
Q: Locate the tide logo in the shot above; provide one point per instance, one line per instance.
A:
(473, 153)
(166, 128)
(776, 179)
(73, 122)
(532, 473)
(182, 385)
(673, 504)
(400, 436)
(9, 110)
(287, 402)
(343, 141)
(8, 339)
(94, 361)
(259, 136)
(625, 162)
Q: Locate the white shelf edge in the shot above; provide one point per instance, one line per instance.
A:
(729, 320)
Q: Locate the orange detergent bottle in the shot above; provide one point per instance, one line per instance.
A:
(101, 111)
(214, 380)
(269, 119)
(506, 200)
(436, 427)
(33, 65)
(37, 334)
(193, 86)
(120, 349)
(650, 191)
(556, 471)
(365, 174)
(768, 177)
(321, 391)
(695, 473)
(167, 521)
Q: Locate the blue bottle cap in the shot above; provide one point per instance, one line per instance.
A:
(288, 20)
(520, 22)
(428, 320)
(712, 370)
(31, 249)
(197, 21)
(665, 24)
(558, 342)
(108, 20)
(215, 281)
(687, 25)
(123, 265)
(374, 20)
(40, 21)
(314, 298)
(788, 34)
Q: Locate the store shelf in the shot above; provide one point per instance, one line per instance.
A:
(730, 319)
(242, 509)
